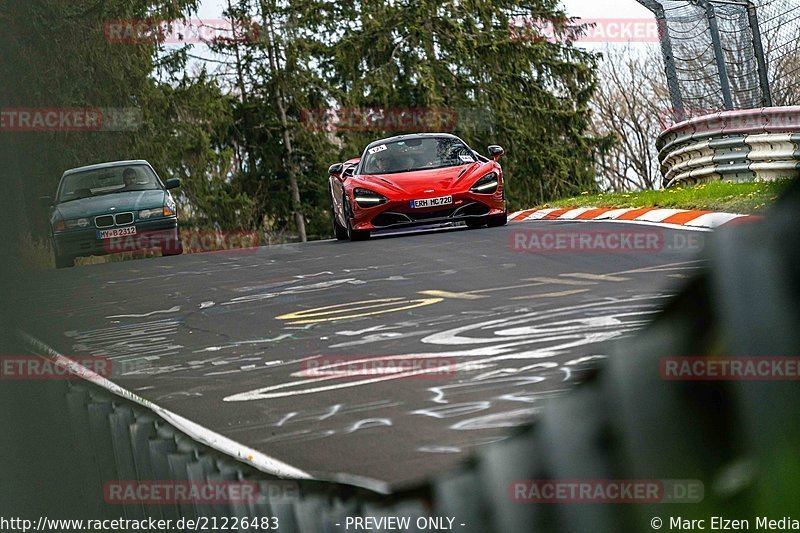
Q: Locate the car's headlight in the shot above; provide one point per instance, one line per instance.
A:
(366, 198)
(165, 211)
(487, 184)
(74, 223)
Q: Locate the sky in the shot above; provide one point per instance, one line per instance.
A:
(575, 8)
(588, 9)
(606, 9)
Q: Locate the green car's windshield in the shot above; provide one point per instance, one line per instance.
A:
(107, 180)
(421, 153)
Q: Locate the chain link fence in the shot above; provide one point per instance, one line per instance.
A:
(729, 54)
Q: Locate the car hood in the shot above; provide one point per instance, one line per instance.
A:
(440, 180)
(120, 201)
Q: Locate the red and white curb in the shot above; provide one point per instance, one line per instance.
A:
(689, 219)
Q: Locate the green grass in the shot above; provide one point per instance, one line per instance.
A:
(745, 198)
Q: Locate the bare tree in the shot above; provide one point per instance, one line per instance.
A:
(781, 38)
(631, 105)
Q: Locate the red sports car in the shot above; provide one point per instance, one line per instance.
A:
(417, 179)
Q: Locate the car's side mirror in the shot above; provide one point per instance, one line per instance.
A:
(496, 151)
(335, 169)
(172, 183)
(46, 201)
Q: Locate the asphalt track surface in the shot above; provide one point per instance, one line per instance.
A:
(223, 339)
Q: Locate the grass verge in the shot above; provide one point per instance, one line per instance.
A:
(744, 198)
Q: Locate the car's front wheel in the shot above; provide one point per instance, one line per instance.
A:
(338, 230)
(64, 261)
(353, 234)
(172, 246)
(494, 221)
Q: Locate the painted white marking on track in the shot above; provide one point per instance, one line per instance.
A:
(550, 294)
(174, 309)
(595, 277)
(560, 281)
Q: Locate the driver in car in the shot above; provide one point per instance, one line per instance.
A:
(382, 164)
(129, 177)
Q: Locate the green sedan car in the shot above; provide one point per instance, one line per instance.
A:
(113, 207)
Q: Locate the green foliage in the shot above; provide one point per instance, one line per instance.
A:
(233, 129)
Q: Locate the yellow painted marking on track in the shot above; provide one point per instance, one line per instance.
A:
(550, 294)
(561, 281)
(457, 295)
(495, 289)
(351, 309)
(595, 277)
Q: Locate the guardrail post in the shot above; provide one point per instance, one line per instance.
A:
(758, 48)
(77, 402)
(121, 420)
(159, 449)
(722, 69)
(675, 95)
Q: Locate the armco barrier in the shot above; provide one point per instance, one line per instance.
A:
(624, 422)
(748, 145)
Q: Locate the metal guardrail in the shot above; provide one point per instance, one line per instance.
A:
(750, 145)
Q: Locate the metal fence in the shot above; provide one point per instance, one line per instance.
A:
(729, 54)
(758, 144)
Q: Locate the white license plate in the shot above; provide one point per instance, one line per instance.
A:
(116, 232)
(432, 202)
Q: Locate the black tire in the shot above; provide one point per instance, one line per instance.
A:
(352, 234)
(338, 230)
(172, 247)
(64, 261)
(475, 223)
(171, 250)
(494, 221)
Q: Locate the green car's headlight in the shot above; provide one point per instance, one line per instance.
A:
(77, 223)
(164, 211)
(74, 223)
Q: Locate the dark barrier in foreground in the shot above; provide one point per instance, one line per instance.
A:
(734, 442)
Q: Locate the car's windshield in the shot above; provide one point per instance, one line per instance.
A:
(107, 180)
(421, 153)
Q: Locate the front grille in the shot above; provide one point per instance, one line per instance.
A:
(390, 218)
(473, 209)
(428, 215)
(122, 219)
(104, 221)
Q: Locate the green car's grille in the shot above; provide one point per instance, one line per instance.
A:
(123, 218)
(104, 221)
(119, 219)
